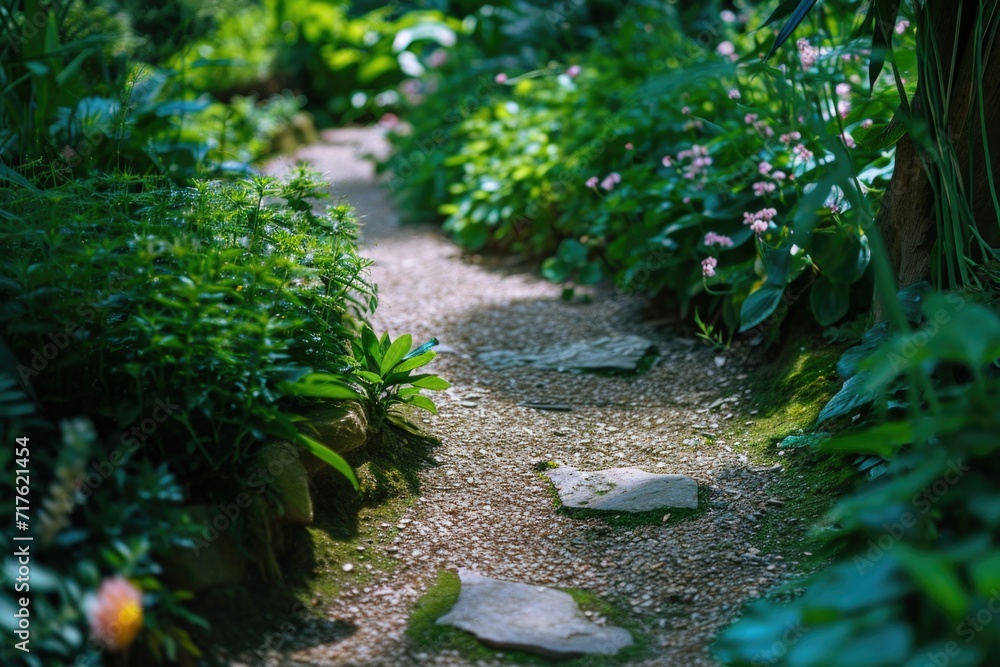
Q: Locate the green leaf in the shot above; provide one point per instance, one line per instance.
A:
(883, 440)
(936, 576)
(421, 402)
(793, 22)
(328, 456)
(854, 395)
(986, 575)
(395, 353)
(414, 362)
(556, 270)
(881, 137)
(572, 252)
(759, 306)
(433, 382)
(368, 376)
(322, 385)
(8, 174)
(885, 15)
(829, 302)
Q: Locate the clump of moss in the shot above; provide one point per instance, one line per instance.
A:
(428, 637)
(788, 396)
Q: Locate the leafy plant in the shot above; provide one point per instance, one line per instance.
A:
(384, 371)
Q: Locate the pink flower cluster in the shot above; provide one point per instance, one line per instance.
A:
(611, 180)
(708, 267)
(700, 161)
(902, 26)
(802, 152)
(759, 221)
(720, 240)
(734, 94)
(808, 53)
(790, 137)
(762, 188)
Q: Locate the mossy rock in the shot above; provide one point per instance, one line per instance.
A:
(341, 427)
(281, 462)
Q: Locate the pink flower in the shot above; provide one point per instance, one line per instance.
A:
(115, 613)
(843, 89)
(764, 168)
(500, 78)
(866, 123)
(573, 71)
(592, 182)
(667, 161)
(708, 267)
(844, 108)
(750, 118)
(790, 137)
(437, 58)
(763, 188)
(803, 152)
(726, 49)
(712, 238)
(611, 180)
(728, 16)
(629, 146)
(778, 176)
(848, 140)
(389, 121)
(685, 110)
(807, 53)
(758, 226)
(902, 26)
(734, 94)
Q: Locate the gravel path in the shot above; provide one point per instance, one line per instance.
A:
(485, 508)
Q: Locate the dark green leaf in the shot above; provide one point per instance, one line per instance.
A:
(793, 22)
(759, 306)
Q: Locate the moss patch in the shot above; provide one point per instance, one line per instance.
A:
(350, 527)
(788, 396)
(428, 637)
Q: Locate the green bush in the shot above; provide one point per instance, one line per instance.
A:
(622, 163)
(914, 579)
(214, 296)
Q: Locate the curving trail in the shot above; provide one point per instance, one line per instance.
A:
(485, 508)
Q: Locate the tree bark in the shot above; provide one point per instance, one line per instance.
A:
(907, 219)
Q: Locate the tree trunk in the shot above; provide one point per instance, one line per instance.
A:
(908, 220)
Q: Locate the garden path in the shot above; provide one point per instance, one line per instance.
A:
(484, 507)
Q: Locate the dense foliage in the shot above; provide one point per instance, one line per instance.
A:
(671, 166)
(672, 157)
(161, 325)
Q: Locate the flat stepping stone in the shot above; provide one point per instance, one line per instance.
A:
(621, 353)
(623, 489)
(535, 619)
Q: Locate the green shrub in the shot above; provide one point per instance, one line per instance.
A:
(621, 165)
(215, 297)
(914, 579)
